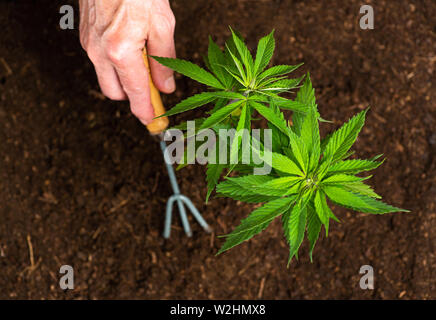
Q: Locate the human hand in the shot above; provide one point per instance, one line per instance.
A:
(113, 33)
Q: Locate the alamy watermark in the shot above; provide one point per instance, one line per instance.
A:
(367, 20)
(209, 146)
(66, 282)
(367, 280)
(67, 19)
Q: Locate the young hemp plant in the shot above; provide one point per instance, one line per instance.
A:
(306, 171)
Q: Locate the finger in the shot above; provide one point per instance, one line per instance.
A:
(161, 43)
(108, 79)
(83, 11)
(133, 75)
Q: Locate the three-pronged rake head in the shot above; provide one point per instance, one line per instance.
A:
(181, 201)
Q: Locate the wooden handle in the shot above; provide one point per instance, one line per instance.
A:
(160, 124)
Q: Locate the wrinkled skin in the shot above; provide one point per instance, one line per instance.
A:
(113, 33)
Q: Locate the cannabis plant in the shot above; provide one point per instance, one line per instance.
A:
(307, 170)
(238, 85)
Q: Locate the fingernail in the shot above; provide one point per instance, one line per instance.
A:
(170, 84)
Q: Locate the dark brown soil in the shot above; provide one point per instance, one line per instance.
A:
(85, 185)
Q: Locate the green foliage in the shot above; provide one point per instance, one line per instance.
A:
(307, 172)
(234, 76)
(257, 221)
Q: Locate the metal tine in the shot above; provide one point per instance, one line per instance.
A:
(181, 200)
(196, 213)
(183, 216)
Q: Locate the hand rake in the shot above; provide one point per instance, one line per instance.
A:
(157, 128)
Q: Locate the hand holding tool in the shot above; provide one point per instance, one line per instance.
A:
(157, 128)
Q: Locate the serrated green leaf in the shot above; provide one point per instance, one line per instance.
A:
(230, 46)
(190, 103)
(284, 164)
(216, 59)
(271, 116)
(324, 142)
(229, 95)
(313, 228)
(280, 162)
(264, 53)
(376, 157)
(235, 75)
(281, 183)
(255, 185)
(341, 178)
(358, 202)
(206, 62)
(219, 103)
(342, 139)
(269, 95)
(295, 106)
(190, 70)
(305, 96)
(249, 180)
(353, 166)
(263, 214)
(248, 198)
(257, 221)
(310, 136)
(275, 71)
(238, 65)
(322, 209)
(299, 151)
(221, 114)
(279, 139)
(294, 225)
(265, 83)
(243, 124)
(361, 188)
(296, 188)
(323, 168)
(284, 84)
(245, 55)
(213, 174)
(348, 154)
(234, 190)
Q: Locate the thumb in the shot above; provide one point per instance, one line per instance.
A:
(161, 43)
